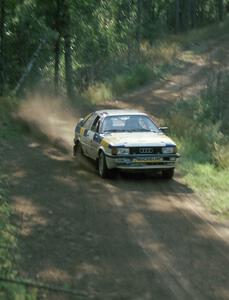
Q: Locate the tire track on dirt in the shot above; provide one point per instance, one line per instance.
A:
(158, 257)
(207, 220)
(211, 246)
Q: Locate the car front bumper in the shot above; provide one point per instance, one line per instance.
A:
(139, 162)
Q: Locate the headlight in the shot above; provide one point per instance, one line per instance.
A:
(120, 151)
(169, 150)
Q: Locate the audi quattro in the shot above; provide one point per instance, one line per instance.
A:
(124, 139)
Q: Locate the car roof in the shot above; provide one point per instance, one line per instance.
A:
(118, 112)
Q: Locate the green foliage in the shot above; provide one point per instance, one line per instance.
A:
(187, 122)
(7, 239)
(203, 121)
(7, 105)
(216, 106)
(8, 127)
(23, 30)
(8, 244)
(98, 93)
(202, 135)
(121, 83)
(9, 252)
(99, 34)
(9, 291)
(221, 155)
(208, 179)
(197, 35)
(9, 249)
(211, 184)
(136, 77)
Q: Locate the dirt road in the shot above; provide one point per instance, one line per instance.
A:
(135, 237)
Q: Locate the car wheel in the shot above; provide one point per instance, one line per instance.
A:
(102, 166)
(77, 150)
(168, 174)
(74, 149)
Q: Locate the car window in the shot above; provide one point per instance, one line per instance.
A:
(95, 124)
(130, 123)
(89, 121)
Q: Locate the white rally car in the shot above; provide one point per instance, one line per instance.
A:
(125, 139)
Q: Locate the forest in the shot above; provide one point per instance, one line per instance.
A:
(66, 233)
(67, 45)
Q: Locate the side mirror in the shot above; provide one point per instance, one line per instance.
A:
(164, 128)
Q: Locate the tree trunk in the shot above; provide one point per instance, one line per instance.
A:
(57, 65)
(220, 10)
(29, 67)
(129, 37)
(153, 10)
(57, 46)
(201, 13)
(139, 25)
(189, 14)
(68, 50)
(193, 13)
(68, 66)
(2, 38)
(177, 16)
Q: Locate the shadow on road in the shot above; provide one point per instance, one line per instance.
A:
(125, 238)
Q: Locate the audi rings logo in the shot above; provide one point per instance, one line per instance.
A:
(146, 150)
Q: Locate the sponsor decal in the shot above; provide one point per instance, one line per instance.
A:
(104, 143)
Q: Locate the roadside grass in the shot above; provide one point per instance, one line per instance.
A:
(153, 63)
(201, 35)
(208, 180)
(200, 127)
(212, 185)
(9, 250)
(122, 83)
(9, 128)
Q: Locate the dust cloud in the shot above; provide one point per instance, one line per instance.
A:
(53, 117)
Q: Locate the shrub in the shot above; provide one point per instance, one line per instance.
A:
(120, 84)
(7, 105)
(187, 124)
(216, 104)
(135, 77)
(98, 93)
(221, 155)
(160, 54)
(9, 249)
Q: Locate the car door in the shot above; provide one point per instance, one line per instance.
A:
(95, 137)
(85, 135)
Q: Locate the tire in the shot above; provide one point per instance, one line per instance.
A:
(74, 150)
(168, 174)
(104, 172)
(77, 150)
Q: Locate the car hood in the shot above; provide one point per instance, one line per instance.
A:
(134, 139)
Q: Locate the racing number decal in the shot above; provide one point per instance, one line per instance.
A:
(104, 144)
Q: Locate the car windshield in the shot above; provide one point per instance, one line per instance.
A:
(129, 123)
